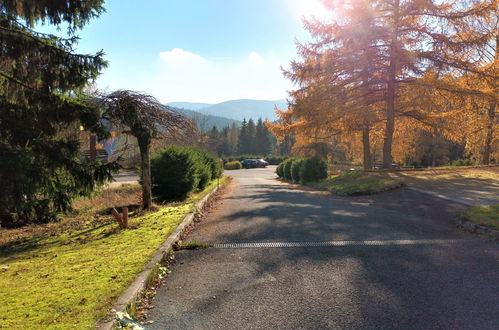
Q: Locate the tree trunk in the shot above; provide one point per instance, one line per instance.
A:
(93, 147)
(391, 92)
(487, 149)
(491, 113)
(366, 147)
(145, 167)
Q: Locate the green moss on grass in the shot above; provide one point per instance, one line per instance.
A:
(192, 245)
(487, 216)
(359, 183)
(71, 279)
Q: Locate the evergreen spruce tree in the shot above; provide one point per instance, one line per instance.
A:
(223, 148)
(244, 139)
(214, 133)
(251, 148)
(40, 117)
(233, 139)
(262, 140)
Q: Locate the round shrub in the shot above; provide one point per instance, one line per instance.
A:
(203, 172)
(287, 168)
(295, 170)
(275, 159)
(463, 162)
(209, 169)
(175, 173)
(214, 163)
(313, 169)
(233, 165)
(280, 170)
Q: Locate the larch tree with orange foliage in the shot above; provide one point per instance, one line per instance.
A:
(362, 65)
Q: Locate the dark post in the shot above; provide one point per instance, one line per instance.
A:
(93, 149)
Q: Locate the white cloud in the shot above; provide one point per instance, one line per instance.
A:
(256, 59)
(178, 55)
(181, 75)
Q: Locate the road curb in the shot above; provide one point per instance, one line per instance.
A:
(434, 194)
(469, 226)
(139, 283)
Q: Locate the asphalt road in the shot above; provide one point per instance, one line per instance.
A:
(125, 177)
(398, 263)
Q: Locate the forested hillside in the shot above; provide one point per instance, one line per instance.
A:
(206, 122)
(236, 109)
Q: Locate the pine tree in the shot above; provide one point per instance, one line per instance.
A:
(251, 146)
(40, 115)
(244, 139)
(233, 139)
(223, 148)
(262, 140)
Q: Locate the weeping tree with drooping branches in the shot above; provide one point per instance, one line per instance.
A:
(143, 117)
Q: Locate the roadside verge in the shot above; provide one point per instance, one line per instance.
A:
(141, 281)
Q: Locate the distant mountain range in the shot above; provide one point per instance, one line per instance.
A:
(189, 105)
(235, 109)
(206, 122)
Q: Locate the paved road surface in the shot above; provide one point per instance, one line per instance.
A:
(472, 186)
(401, 265)
(125, 177)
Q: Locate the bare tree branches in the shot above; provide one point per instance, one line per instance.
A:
(142, 114)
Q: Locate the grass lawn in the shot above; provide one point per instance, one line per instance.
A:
(359, 183)
(68, 274)
(484, 215)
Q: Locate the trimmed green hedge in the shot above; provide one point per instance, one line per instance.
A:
(463, 162)
(234, 165)
(296, 166)
(271, 159)
(287, 168)
(313, 169)
(280, 170)
(177, 171)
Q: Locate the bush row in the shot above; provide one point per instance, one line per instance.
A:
(312, 169)
(463, 162)
(233, 165)
(272, 159)
(177, 171)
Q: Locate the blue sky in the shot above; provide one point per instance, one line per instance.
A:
(198, 50)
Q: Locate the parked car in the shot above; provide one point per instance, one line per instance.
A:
(262, 163)
(249, 163)
(253, 163)
(378, 166)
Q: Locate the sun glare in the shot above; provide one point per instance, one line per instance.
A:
(309, 8)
